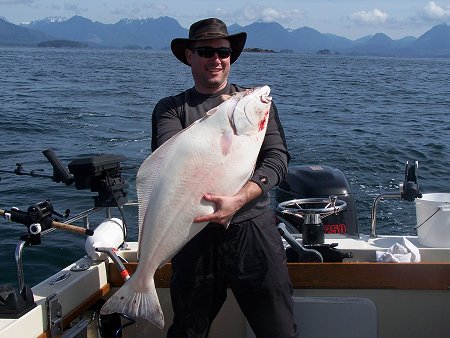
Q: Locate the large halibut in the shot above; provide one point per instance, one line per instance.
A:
(215, 155)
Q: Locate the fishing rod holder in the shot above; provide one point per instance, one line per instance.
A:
(101, 174)
(15, 302)
(409, 190)
(38, 218)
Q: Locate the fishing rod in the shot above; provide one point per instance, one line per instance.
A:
(39, 218)
(60, 173)
(99, 174)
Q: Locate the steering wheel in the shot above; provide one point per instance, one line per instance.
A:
(325, 207)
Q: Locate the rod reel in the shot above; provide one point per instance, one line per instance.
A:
(38, 219)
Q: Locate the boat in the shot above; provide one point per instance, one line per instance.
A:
(345, 283)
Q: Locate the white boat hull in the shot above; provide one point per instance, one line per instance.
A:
(357, 298)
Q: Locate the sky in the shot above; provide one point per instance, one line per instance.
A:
(348, 18)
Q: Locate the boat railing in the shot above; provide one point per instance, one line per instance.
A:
(408, 190)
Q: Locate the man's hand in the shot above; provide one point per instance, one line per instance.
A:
(227, 206)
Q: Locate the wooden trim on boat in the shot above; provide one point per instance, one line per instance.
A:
(162, 275)
(67, 320)
(348, 275)
(355, 275)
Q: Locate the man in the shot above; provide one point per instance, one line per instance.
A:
(248, 256)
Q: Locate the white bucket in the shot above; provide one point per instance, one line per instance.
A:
(433, 220)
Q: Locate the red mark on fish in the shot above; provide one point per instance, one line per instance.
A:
(263, 121)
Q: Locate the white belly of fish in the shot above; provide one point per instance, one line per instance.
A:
(206, 158)
(197, 165)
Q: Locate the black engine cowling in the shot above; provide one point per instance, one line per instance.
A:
(314, 181)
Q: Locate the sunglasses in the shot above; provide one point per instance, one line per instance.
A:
(208, 52)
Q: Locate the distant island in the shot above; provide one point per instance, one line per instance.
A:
(137, 47)
(324, 52)
(62, 44)
(258, 50)
(263, 50)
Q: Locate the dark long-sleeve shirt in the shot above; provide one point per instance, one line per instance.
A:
(174, 113)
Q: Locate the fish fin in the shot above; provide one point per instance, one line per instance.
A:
(146, 177)
(133, 303)
(226, 140)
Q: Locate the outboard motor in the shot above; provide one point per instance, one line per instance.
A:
(314, 201)
(320, 182)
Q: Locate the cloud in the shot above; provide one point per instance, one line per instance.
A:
(434, 12)
(269, 14)
(16, 2)
(250, 14)
(133, 11)
(374, 17)
(75, 8)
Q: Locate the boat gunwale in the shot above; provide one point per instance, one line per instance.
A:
(364, 275)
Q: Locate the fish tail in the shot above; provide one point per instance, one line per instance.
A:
(131, 302)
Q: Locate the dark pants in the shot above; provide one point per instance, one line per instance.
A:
(249, 258)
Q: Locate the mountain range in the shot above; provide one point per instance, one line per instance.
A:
(157, 34)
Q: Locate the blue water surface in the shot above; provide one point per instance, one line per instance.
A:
(364, 115)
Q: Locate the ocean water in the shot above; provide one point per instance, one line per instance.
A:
(364, 115)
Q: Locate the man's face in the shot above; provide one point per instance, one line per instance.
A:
(210, 73)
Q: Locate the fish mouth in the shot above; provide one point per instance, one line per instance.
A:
(262, 95)
(265, 94)
(265, 98)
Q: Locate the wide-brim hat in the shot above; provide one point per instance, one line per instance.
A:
(208, 29)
